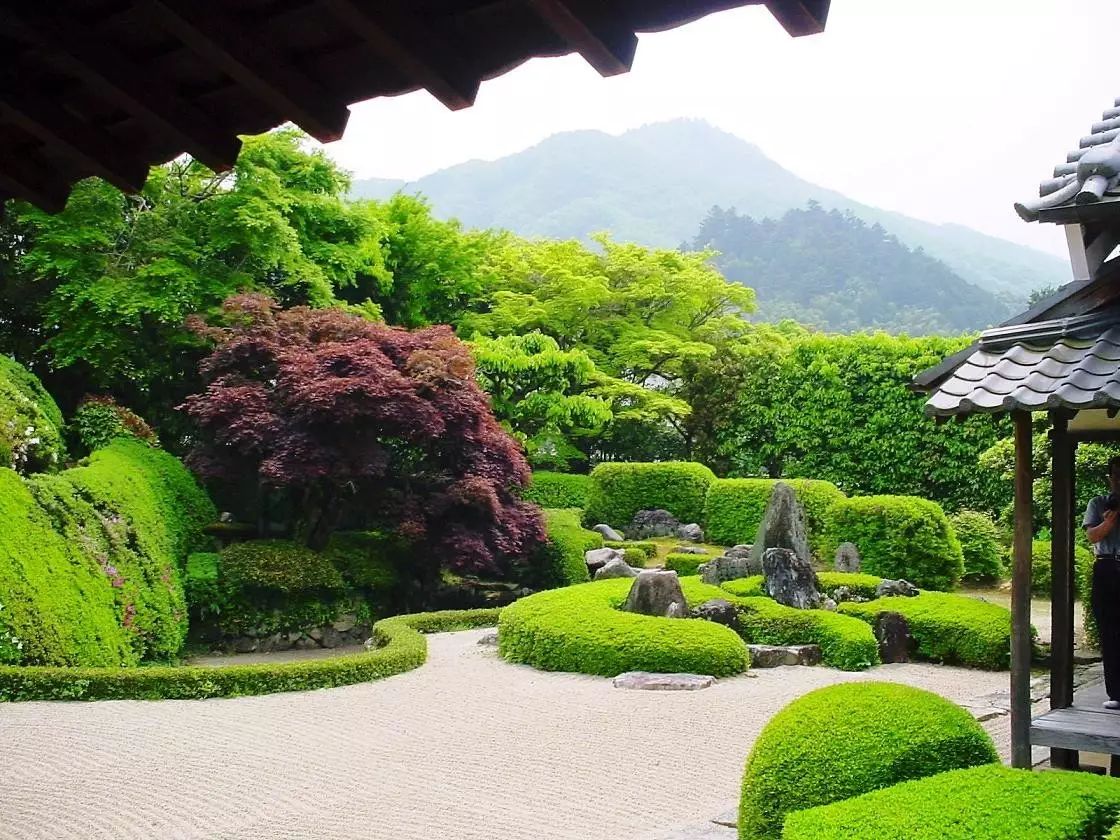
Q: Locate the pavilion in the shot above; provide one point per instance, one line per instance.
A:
(1059, 359)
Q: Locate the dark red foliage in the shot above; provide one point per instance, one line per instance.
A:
(350, 413)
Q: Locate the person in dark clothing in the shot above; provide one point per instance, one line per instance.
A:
(1103, 531)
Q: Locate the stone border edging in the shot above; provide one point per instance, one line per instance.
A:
(401, 647)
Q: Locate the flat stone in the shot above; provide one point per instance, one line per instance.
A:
(646, 681)
(688, 549)
(489, 640)
(982, 714)
(615, 568)
(771, 656)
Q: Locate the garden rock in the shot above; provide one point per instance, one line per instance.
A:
(896, 587)
(608, 533)
(782, 526)
(489, 639)
(597, 558)
(653, 523)
(688, 549)
(828, 604)
(645, 681)
(344, 623)
(615, 568)
(691, 532)
(657, 593)
(718, 610)
(893, 634)
(847, 558)
(771, 656)
(790, 579)
(728, 567)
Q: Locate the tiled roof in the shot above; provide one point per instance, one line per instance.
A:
(1072, 363)
(1090, 174)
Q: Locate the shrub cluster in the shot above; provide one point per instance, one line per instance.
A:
(279, 566)
(561, 558)
(858, 583)
(635, 558)
(581, 629)
(734, 507)
(949, 628)
(901, 537)
(1041, 570)
(845, 740)
(685, 564)
(557, 490)
(30, 422)
(978, 535)
(90, 568)
(100, 420)
(845, 642)
(400, 648)
(649, 549)
(619, 490)
(988, 802)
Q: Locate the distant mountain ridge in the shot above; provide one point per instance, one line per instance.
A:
(655, 185)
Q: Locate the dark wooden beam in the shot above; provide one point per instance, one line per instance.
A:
(609, 52)
(1095, 436)
(20, 182)
(413, 49)
(205, 27)
(800, 17)
(1061, 582)
(1021, 597)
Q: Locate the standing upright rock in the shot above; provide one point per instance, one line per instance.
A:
(847, 558)
(790, 579)
(657, 593)
(608, 533)
(653, 523)
(782, 526)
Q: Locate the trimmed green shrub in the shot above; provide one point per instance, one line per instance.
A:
(647, 548)
(280, 566)
(980, 545)
(988, 802)
(202, 583)
(733, 509)
(1083, 560)
(844, 740)
(949, 628)
(100, 420)
(748, 587)
(557, 490)
(581, 629)
(561, 557)
(685, 564)
(401, 647)
(901, 537)
(860, 584)
(30, 422)
(846, 643)
(635, 557)
(366, 559)
(620, 490)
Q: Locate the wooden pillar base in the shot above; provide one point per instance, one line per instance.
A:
(1067, 759)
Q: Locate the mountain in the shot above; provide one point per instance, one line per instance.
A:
(832, 270)
(655, 184)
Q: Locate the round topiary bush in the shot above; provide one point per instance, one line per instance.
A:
(581, 629)
(901, 537)
(685, 564)
(978, 535)
(845, 740)
(619, 490)
(557, 490)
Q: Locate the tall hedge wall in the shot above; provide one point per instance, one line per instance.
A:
(619, 490)
(30, 422)
(90, 559)
(562, 562)
(734, 506)
(901, 537)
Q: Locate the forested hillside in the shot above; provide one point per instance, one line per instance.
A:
(829, 269)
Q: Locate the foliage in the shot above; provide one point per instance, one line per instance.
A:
(988, 802)
(980, 547)
(30, 422)
(279, 566)
(954, 629)
(901, 537)
(858, 583)
(635, 558)
(557, 490)
(347, 415)
(685, 564)
(367, 560)
(201, 583)
(649, 549)
(1041, 568)
(99, 420)
(581, 629)
(562, 555)
(618, 491)
(844, 740)
(845, 643)
(734, 507)
(400, 647)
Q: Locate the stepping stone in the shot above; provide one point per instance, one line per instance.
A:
(489, 640)
(771, 656)
(645, 681)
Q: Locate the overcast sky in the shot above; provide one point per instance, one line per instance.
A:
(948, 110)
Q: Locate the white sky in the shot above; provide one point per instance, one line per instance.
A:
(948, 110)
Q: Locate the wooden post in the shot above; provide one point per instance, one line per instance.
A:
(1061, 587)
(1021, 598)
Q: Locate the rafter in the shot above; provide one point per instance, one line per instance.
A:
(30, 182)
(609, 52)
(137, 90)
(800, 17)
(416, 51)
(208, 30)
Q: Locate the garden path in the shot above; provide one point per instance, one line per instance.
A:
(467, 746)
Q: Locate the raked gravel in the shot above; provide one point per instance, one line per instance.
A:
(467, 747)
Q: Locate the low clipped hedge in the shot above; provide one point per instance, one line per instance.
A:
(844, 740)
(557, 490)
(748, 587)
(30, 421)
(635, 558)
(978, 535)
(846, 642)
(901, 537)
(733, 509)
(989, 802)
(685, 564)
(401, 647)
(949, 628)
(619, 490)
(561, 557)
(649, 549)
(581, 629)
(858, 583)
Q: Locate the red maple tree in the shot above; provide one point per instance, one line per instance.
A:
(347, 416)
